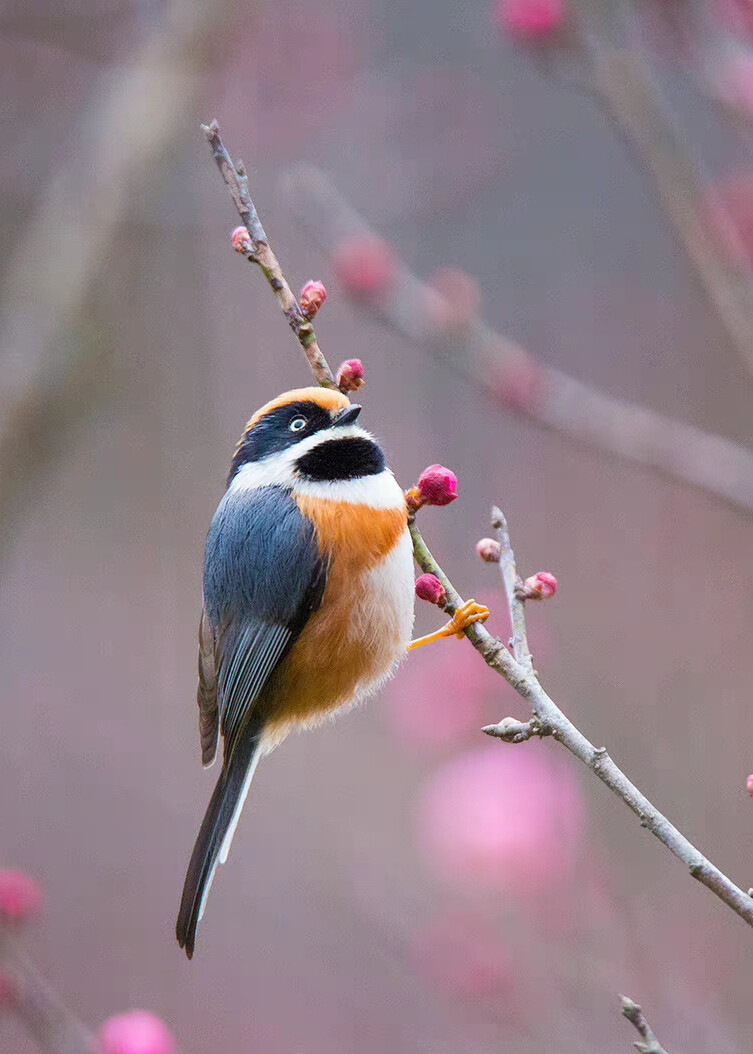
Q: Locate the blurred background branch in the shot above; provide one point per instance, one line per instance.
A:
(454, 332)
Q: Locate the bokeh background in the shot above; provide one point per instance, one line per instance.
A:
(398, 881)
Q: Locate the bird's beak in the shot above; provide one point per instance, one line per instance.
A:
(346, 416)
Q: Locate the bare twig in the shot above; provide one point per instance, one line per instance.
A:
(547, 396)
(649, 1044)
(512, 583)
(42, 1010)
(259, 252)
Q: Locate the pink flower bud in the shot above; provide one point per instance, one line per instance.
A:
(749, 785)
(136, 1032)
(437, 485)
(241, 240)
(350, 375)
(530, 19)
(429, 588)
(365, 265)
(20, 896)
(488, 549)
(312, 297)
(540, 586)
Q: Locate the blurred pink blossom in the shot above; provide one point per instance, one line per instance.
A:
(735, 15)
(530, 18)
(20, 896)
(457, 302)
(729, 214)
(749, 785)
(136, 1032)
(508, 819)
(458, 952)
(364, 264)
(6, 990)
(439, 694)
(730, 76)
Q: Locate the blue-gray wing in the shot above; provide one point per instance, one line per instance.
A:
(263, 579)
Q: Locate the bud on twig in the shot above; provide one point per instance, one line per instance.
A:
(312, 297)
(350, 375)
(489, 550)
(540, 586)
(436, 485)
(430, 589)
(241, 240)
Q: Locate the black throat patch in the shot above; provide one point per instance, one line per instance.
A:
(346, 458)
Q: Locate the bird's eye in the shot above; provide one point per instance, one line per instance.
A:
(297, 424)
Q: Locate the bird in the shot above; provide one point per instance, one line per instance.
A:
(308, 600)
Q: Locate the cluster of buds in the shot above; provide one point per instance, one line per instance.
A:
(241, 240)
(349, 376)
(311, 298)
(136, 1032)
(540, 586)
(430, 589)
(436, 485)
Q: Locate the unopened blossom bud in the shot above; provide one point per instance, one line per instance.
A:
(20, 896)
(540, 586)
(430, 589)
(350, 375)
(364, 264)
(136, 1032)
(437, 485)
(489, 550)
(241, 240)
(312, 297)
(749, 785)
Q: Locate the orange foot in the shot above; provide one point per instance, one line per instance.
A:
(465, 616)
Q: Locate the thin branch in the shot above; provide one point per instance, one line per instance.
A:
(649, 1043)
(717, 465)
(548, 719)
(40, 1007)
(512, 584)
(260, 253)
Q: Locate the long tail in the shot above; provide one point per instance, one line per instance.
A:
(216, 834)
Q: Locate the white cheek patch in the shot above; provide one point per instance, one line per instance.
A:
(381, 491)
(378, 492)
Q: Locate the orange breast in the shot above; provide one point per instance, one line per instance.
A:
(348, 642)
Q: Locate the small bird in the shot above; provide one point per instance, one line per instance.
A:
(308, 599)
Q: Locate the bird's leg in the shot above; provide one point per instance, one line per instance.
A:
(466, 615)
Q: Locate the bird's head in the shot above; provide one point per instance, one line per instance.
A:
(308, 433)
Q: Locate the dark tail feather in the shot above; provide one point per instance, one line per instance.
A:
(218, 820)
